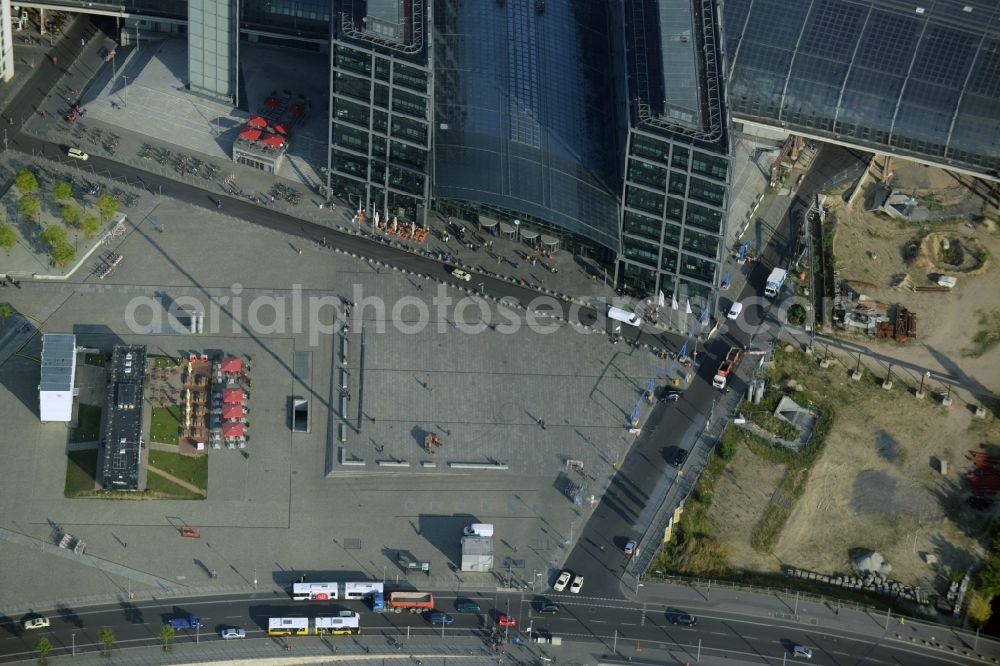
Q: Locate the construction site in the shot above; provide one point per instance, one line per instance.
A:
(907, 255)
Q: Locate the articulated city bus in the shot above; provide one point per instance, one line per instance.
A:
(314, 591)
(288, 626)
(345, 623)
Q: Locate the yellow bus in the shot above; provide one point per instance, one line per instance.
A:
(288, 626)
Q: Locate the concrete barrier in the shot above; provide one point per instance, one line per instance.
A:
(493, 466)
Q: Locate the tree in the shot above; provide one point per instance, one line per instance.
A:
(63, 253)
(29, 206)
(62, 191)
(44, 646)
(980, 608)
(71, 215)
(26, 182)
(90, 225)
(53, 234)
(5, 311)
(8, 238)
(166, 635)
(107, 638)
(107, 206)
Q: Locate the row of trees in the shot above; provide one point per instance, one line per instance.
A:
(73, 216)
(106, 637)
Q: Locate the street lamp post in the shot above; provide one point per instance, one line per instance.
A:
(255, 578)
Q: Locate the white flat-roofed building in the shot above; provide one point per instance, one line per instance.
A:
(55, 390)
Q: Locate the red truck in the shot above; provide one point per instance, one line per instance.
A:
(415, 602)
(726, 367)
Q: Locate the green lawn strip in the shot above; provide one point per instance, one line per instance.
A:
(88, 427)
(81, 473)
(166, 361)
(95, 359)
(164, 425)
(167, 489)
(193, 469)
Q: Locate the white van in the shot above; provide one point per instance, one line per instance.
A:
(77, 153)
(624, 315)
(479, 529)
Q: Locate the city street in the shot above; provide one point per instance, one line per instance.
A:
(602, 625)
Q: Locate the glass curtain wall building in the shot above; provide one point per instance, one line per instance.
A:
(212, 34)
(677, 176)
(381, 100)
(913, 79)
(528, 123)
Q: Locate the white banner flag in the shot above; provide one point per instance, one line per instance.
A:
(662, 301)
(673, 302)
(688, 307)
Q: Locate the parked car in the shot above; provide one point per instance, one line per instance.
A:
(461, 275)
(94, 189)
(507, 621)
(686, 619)
(230, 633)
(562, 581)
(735, 311)
(77, 154)
(577, 585)
(680, 458)
(802, 651)
(673, 396)
(630, 547)
(440, 618)
(36, 623)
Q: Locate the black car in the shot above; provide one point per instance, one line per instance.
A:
(680, 458)
(682, 618)
(547, 607)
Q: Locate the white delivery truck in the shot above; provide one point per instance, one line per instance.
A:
(618, 314)
(479, 529)
(774, 282)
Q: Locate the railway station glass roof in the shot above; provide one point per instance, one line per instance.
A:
(922, 78)
(524, 112)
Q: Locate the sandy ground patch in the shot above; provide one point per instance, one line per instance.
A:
(742, 496)
(876, 485)
(947, 321)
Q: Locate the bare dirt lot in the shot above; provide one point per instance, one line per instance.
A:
(876, 485)
(871, 251)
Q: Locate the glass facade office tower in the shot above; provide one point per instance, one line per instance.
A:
(528, 123)
(676, 187)
(381, 101)
(212, 48)
(6, 42)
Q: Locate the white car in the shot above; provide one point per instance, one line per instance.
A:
(577, 585)
(36, 623)
(233, 632)
(735, 311)
(562, 581)
(461, 275)
(802, 651)
(78, 154)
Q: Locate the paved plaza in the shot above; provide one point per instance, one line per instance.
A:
(288, 508)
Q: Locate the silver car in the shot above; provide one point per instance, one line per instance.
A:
(233, 632)
(802, 651)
